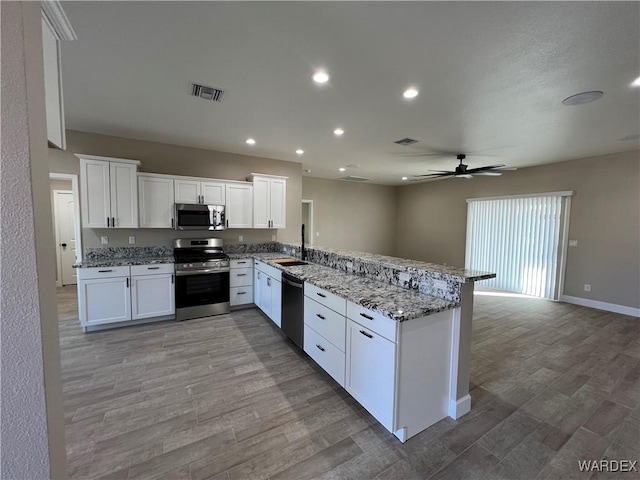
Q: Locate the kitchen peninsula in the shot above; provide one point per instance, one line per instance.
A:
(395, 333)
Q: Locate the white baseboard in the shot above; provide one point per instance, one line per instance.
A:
(458, 408)
(609, 307)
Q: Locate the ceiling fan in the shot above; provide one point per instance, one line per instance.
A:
(462, 171)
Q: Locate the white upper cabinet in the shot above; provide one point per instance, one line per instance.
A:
(108, 192)
(197, 191)
(156, 205)
(55, 27)
(239, 208)
(269, 201)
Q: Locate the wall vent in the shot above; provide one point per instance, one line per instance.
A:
(353, 178)
(208, 93)
(406, 141)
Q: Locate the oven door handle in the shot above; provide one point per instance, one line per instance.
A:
(184, 273)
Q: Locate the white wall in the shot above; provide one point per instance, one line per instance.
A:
(32, 428)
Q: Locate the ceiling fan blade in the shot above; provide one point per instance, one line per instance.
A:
(484, 169)
(488, 174)
(506, 169)
(466, 175)
(435, 175)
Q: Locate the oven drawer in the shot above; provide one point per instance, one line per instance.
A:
(241, 277)
(325, 354)
(152, 269)
(103, 272)
(240, 295)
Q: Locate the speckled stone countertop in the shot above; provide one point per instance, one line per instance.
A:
(123, 262)
(394, 302)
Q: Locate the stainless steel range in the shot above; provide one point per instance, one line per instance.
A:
(202, 278)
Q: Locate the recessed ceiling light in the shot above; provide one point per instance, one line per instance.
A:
(410, 93)
(405, 178)
(342, 169)
(582, 98)
(338, 131)
(250, 141)
(320, 77)
(636, 82)
(299, 151)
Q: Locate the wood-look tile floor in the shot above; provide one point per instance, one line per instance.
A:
(229, 398)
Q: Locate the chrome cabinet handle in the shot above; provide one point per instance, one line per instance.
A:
(368, 317)
(127, 282)
(368, 335)
(320, 348)
(320, 316)
(241, 263)
(104, 271)
(153, 268)
(241, 274)
(241, 293)
(321, 295)
(172, 278)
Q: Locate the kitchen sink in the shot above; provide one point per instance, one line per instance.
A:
(291, 262)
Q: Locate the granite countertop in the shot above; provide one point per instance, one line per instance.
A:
(393, 302)
(123, 262)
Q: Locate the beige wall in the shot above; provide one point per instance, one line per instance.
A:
(605, 219)
(353, 216)
(178, 160)
(32, 420)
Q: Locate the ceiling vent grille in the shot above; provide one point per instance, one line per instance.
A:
(208, 93)
(353, 178)
(406, 141)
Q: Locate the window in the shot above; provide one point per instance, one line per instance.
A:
(520, 238)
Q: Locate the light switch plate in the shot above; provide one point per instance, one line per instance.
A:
(104, 240)
(132, 240)
(241, 238)
(273, 237)
(573, 243)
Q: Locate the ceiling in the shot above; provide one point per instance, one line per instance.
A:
(491, 78)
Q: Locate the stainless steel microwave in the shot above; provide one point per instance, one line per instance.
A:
(192, 216)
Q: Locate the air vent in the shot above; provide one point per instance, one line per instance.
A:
(406, 141)
(208, 93)
(353, 178)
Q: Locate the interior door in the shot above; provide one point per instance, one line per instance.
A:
(66, 240)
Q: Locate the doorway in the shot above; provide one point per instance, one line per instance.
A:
(66, 226)
(307, 221)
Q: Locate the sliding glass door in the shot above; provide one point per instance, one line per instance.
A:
(520, 238)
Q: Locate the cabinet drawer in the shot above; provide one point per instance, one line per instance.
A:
(240, 277)
(103, 272)
(273, 272)
(241, 263)
(152, 269)
(240, 295)
(326, 322)
(325, 354)
(372, 320)
(328, 299)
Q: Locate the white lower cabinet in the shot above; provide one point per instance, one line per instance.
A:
(241, 279)
(370, 371)
(119, 294)
(268, 291)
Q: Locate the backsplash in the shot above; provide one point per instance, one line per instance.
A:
(95, 253)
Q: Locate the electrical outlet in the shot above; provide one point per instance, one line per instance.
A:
(104, 240)
(241, 238)
(587, 287)
(273, 237)
(132, 240)
(573, 243)
(440, 285)
(317, 234)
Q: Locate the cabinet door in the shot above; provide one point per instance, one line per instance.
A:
(152, 296)
(278, 203)
(370, 371)
(53, 85)
(213, 192)
(239, 209)
(124, 195)
(261, 209)
(95, 197)
(104, 300)
(276, 302)
(257, 288)
(265, 294)
(187, 191)
(156, 202)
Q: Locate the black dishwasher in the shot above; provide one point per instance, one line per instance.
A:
(293, 308)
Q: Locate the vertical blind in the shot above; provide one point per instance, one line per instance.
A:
(518, 238)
